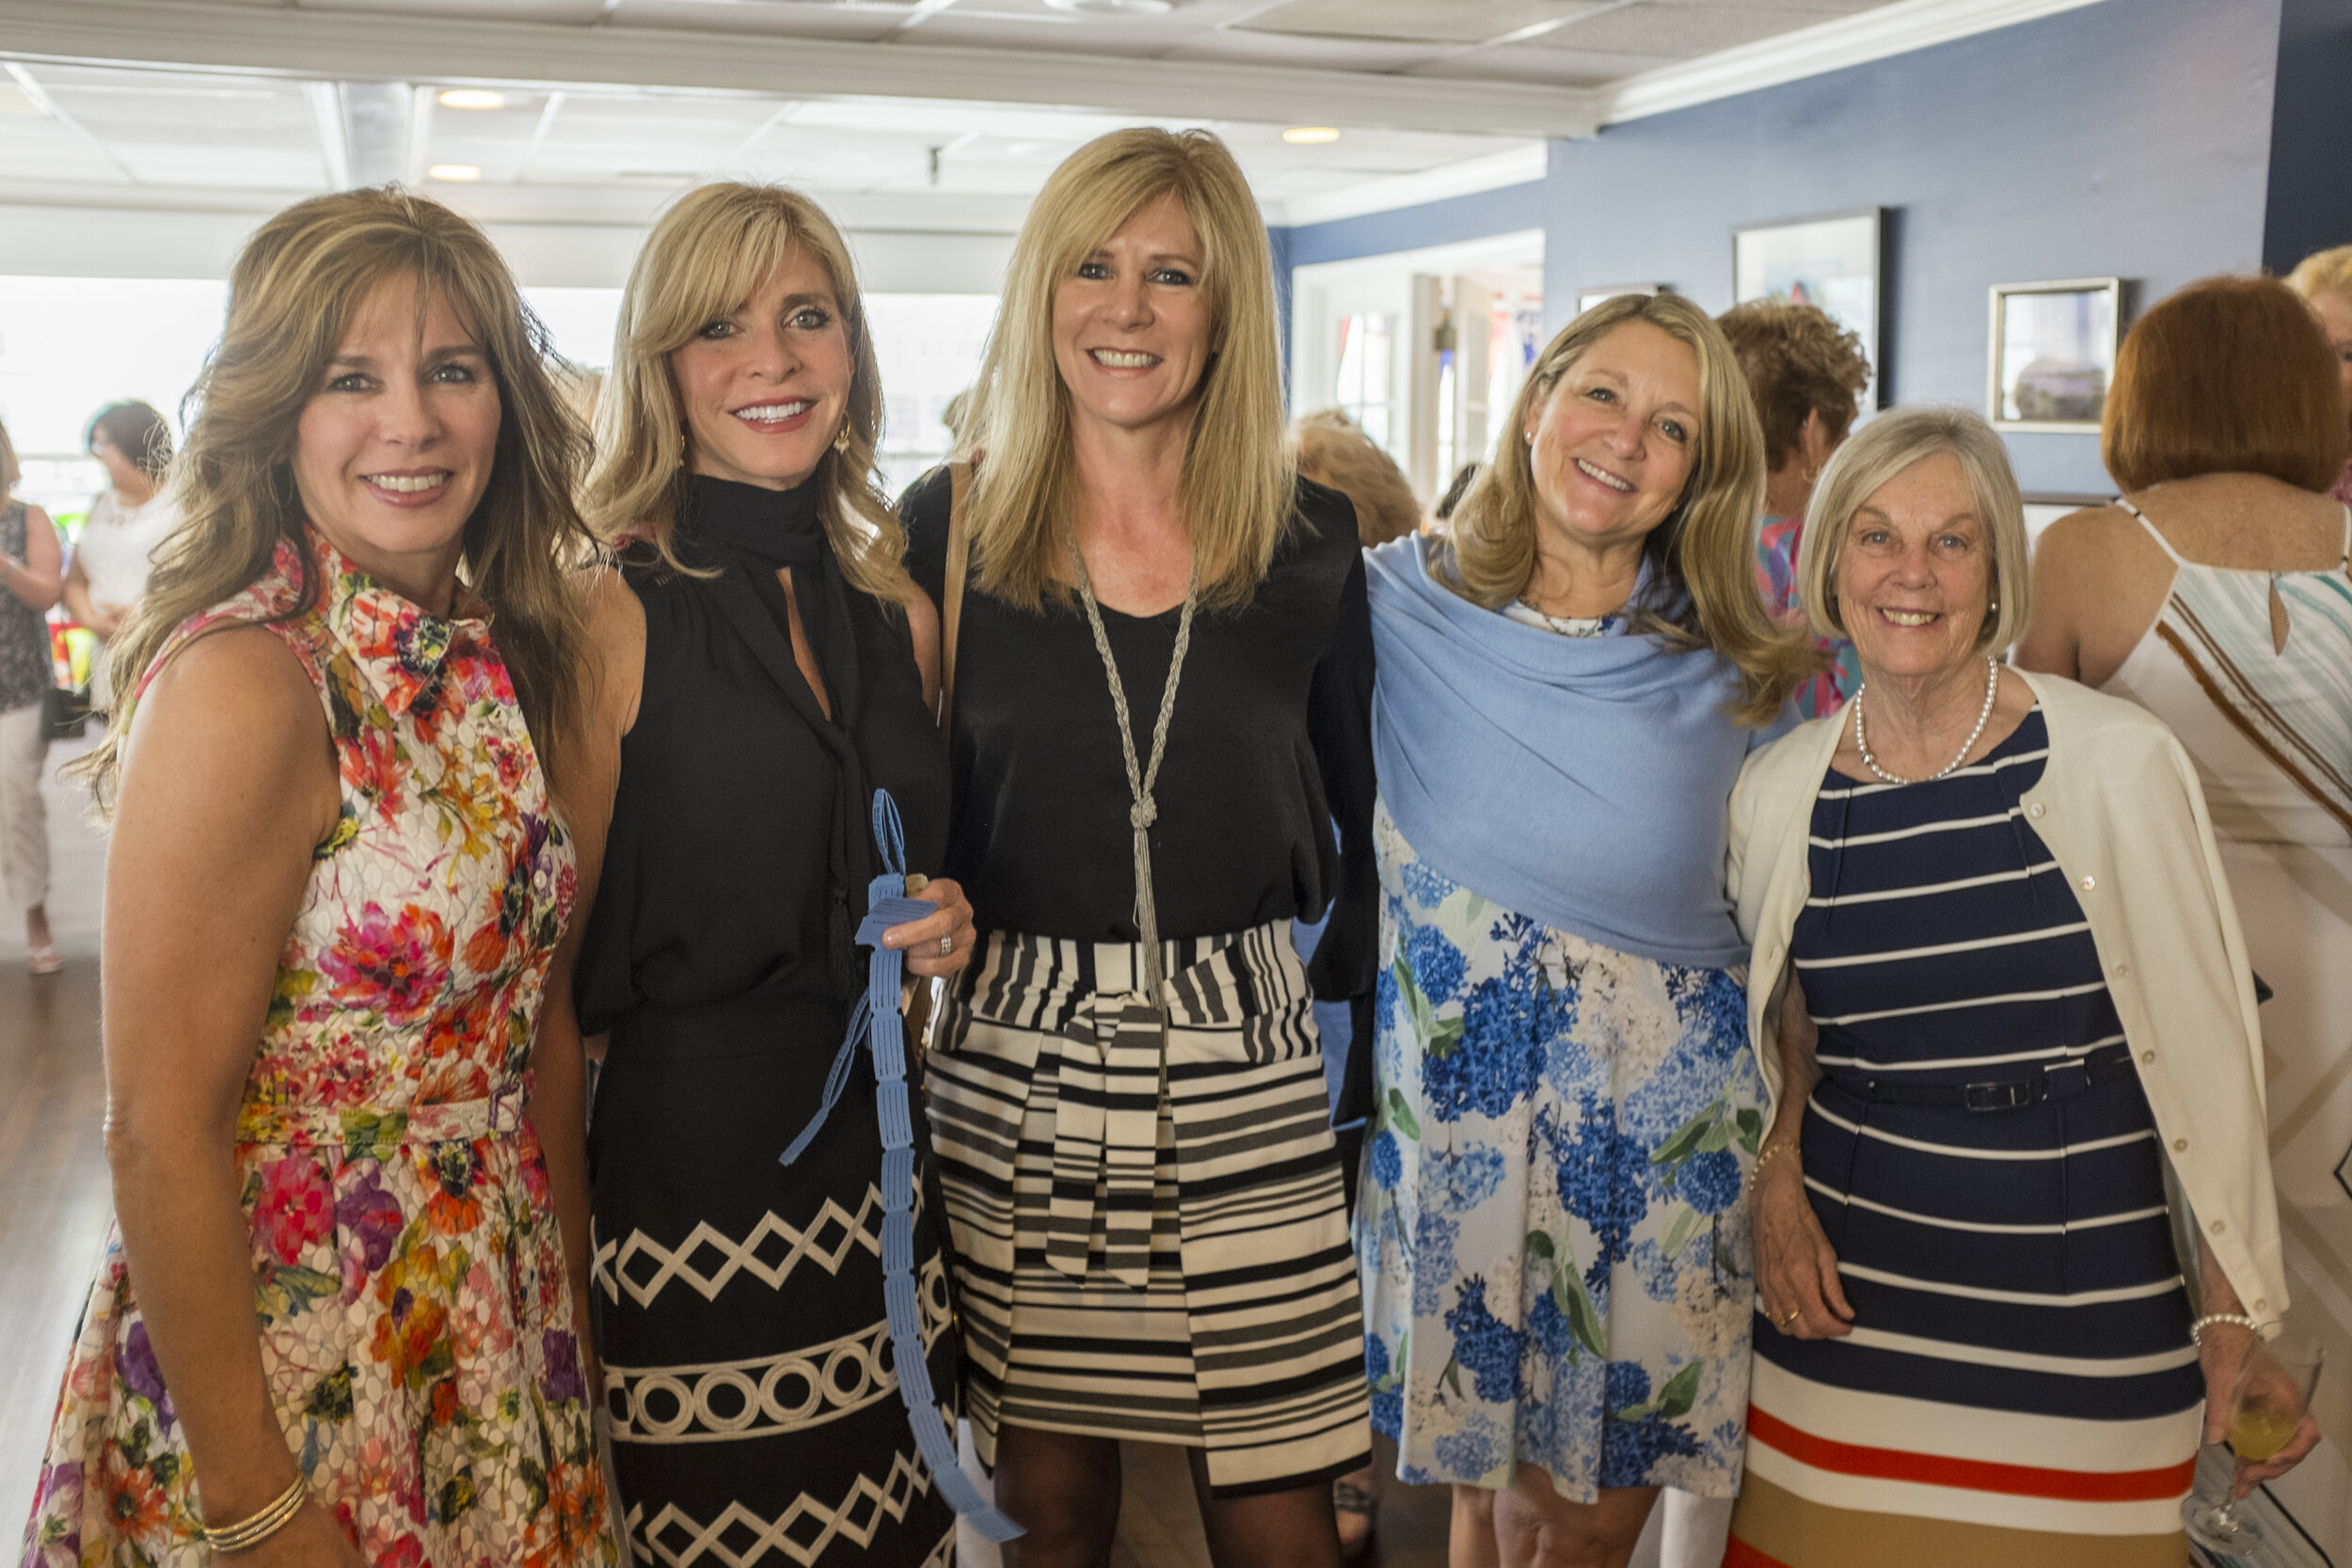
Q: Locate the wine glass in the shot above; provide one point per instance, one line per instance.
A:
(2274, 1390)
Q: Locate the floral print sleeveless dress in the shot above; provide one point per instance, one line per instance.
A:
(414, 1311)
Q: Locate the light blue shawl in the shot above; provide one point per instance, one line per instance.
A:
(1582, 782)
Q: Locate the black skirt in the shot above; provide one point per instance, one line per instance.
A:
(747, 1355)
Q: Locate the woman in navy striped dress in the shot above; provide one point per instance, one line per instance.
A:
(2014, 983)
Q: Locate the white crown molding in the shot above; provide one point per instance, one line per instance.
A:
(1856, 39)
(353, 45)
(1494, 172)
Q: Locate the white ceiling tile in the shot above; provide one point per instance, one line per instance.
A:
(1558, 68)
(180, 163)
(1680, 30)
(484, 10)
(1432, 21)
(765, 18)
(1244, 46)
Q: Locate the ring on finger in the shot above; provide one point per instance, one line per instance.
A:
(1794, 1313)
(946, 946)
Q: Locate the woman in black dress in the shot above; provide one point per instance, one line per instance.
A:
(764, 669)
(1160, 704)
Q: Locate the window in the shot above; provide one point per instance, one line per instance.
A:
(1365, 357)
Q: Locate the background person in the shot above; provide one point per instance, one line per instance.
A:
(2217, 593)
(29, 562)
(338, 1313)
(113, 553)
(1555, 1248)
(1807, 375)
(1334, 451)
(2323, 278)
(1159, 714)
(2005, 984)
(762, 665)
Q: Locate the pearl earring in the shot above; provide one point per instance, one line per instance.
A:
(842, 441)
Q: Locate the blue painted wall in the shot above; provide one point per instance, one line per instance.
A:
(1479, 215)
(2310, 133)
(2130, 139)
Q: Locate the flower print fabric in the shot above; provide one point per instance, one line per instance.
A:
(1826, 691)
(1555, 1247)
(415, 1315)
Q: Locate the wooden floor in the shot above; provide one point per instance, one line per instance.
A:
(54, 1207)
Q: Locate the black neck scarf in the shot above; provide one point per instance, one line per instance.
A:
(752, 531)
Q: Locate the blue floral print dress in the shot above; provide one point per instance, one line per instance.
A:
(1555, 1247)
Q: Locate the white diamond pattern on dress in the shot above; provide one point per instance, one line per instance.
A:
(825, 1242)
(739, 1538)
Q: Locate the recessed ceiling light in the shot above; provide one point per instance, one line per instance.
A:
(453, 172)
(1114, 7)
(1308, 136)
(472, 98)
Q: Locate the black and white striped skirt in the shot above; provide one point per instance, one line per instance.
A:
(1171, 1267)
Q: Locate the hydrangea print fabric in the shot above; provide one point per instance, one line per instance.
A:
(1556, 1254)
(409, 1287)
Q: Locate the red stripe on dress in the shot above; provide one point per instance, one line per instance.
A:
(1977, 1475)
(1739, 1554)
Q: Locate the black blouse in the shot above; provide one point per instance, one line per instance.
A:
(1270, 744)
(741, 842)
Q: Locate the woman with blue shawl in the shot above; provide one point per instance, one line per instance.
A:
(1557, 1269)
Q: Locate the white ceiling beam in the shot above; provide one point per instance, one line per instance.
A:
(309, 44)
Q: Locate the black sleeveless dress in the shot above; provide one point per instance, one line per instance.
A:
(748, 1368)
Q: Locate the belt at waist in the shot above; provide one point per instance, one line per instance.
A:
(2013, 1091)
(377, 1130)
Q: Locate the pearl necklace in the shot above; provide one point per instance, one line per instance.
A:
(1991, 689)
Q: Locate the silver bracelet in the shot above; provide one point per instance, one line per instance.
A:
(2197, 1329)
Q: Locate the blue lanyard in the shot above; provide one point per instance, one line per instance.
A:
(876, 1019)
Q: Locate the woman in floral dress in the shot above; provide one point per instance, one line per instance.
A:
(1556, 1256)
(338, 1298)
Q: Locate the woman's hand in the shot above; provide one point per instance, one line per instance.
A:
(311, 1539)
(2221, 1353)
(1796, 1268)
(919, 939)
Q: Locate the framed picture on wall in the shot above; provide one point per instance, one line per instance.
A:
(1587, 298)
(2053, 353)
(1835, 261)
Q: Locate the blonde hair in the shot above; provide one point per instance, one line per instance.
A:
(11, 471)
(1879, 452)
(1238, 492)
(707, 256)
(2322, 272)
(292, 295)
(1701, 554)
(1333, 451)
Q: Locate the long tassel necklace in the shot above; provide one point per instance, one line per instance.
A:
(1991, 689)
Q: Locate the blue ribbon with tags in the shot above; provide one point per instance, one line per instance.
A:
(876, 1020)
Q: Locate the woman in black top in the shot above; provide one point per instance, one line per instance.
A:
(1160, 704)
(765, 667)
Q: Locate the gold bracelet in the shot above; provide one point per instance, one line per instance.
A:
(247, 1534)
(1764, 1155)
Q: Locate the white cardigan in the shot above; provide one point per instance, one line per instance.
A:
(2119, 805)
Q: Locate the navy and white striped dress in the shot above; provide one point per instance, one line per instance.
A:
(2019, 1376)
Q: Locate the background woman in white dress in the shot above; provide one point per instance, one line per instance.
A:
(2216, 593)
(127, 520)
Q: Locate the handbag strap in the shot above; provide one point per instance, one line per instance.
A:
(951, 613)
